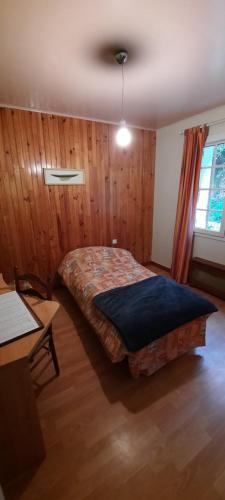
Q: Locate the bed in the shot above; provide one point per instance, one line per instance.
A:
(87, 272)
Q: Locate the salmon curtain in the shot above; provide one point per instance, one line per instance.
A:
(194, 141)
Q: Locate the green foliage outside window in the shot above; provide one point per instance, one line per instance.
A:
(220, 154)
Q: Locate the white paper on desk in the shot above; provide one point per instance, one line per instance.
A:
(15, 318)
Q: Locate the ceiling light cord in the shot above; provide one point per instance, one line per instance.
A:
(122, 100)
(123, 135)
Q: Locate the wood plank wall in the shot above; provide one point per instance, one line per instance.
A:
(39, 223)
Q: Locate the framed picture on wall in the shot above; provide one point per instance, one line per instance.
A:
(63, 176)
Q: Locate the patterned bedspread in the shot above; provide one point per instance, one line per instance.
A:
(92, 270)
(89, 271)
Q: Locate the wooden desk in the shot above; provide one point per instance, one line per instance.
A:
(21, 440)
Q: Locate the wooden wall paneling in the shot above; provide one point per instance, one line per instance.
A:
(40, 223)
(23, 183)
(92, 173)
(97, 187)
(121, 171)
(137, 180)
(103, 175)
(85, 189)
(32, 200)
(74, 147)
(28, 197)
(7, 233)
(43, 208)
(113, 205)
(65, 193)
(148, 192)
(99, 173)
(37, 205)
(127, 214)
(135, 176)
(80, 227)
(5, 241)
(121, 184)
(151, 162)
(76, 139)
(58, 194)
(47, 226)
(13, 189)
(78, 195)
(130, 204)
(55, 194)
(106, 188)
(5, 208)
(70, 207)
(133, 207)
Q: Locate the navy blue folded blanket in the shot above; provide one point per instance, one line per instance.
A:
(147, 310)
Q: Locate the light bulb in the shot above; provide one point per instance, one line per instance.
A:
(123, 136)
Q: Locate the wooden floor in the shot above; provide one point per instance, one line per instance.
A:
(109, 437)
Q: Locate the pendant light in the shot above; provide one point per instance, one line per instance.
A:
(123, 136)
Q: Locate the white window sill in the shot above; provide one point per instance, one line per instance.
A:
(210, 236)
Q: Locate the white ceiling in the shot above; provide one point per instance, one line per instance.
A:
(55, 55)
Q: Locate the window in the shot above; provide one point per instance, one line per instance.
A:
(210, 211)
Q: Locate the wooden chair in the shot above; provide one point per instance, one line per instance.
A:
(43, 291)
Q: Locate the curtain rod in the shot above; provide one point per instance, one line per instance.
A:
(216, 122)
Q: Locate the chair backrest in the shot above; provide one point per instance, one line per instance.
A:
(36, 286)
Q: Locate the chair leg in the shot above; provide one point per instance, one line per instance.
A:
(53, 353)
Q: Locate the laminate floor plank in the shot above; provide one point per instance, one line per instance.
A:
(109, 437)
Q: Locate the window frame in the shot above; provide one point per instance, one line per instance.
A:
(208, 232)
